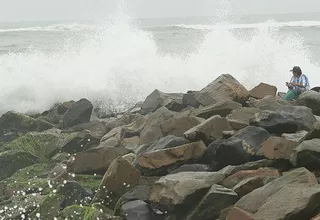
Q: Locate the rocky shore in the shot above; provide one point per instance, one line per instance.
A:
(219, 153)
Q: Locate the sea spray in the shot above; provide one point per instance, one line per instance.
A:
(119, 64)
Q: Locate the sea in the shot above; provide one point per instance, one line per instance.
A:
(119, 61)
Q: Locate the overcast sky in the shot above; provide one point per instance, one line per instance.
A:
(35, 10)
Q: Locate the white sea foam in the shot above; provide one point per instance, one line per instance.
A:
(121, 64)
(266, 24)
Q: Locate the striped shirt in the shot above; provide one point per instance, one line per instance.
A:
(303, 79)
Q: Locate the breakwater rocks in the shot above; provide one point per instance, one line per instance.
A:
(219, 153)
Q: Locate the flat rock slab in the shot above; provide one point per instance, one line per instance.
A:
(262, 90)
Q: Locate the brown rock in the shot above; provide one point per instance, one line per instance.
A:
(179, 124)
(240, 118)
(153, 162)
(253, 201)
(239, 214)
(222, 108)
(157, 99)
(209, 130)
(113, 137)
(180, 188)
(120, 177)
(234, 179)
(316, 217)
(296, 202)
(268, 103)
(248, 185)
(277, 148)
(224, 87)
(130, 143)
(314, 133)
(215, 200)
(95, 159)
(296, 137)
(262, 90)
(152, 130)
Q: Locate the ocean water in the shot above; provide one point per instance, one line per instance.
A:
(119, 61)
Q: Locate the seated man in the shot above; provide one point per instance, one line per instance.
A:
(298, 84)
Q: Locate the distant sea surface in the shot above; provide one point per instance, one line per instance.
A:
(125, 59)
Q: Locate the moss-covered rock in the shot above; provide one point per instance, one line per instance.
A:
(13, 160)
(49, 208)
(43, 145)
(15, 123)
(29, 180)
(19, 207)
(89, 181)
(85, 213)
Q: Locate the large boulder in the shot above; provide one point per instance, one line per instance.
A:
(222, 108)
(152, 129)
(157, 99)
(12, 124)
(248, 185)
(311, 99)
(188, 99)
(314, 133)
(43, 145)
(166, 142)
(277, 148)
(95, 160)
(224, 87)
(288, 119)
(178, 192)
(269, 103)
(274, 122)
(242, 147)
(303, 116)
(120, 177)
(296, 137)
(262, 173)
(240, 118)
(138, 210)
(55, 114)
(216, 199)
(209, 130)
(262, 90)
(13, 160)
(158, 162)
(179, 124)
(307, 154)
(94, 128)
(80, 112)
(253, 201)
(77, 142)
(296, 202)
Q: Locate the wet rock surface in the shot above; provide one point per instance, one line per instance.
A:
(222, 152)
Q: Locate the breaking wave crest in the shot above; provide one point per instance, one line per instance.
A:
(120, 64)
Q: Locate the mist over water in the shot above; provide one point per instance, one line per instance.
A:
(119, 64)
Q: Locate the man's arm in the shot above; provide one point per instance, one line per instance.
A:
(302, 84)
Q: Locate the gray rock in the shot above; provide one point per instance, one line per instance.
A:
(167, 142)
(240, 118)
(225, 87)
(253, 201)
(157, 99)
(138, 210)
(182, 189)
(311, 99)
(222, 108)
(209, 130)
(216, 199)
(80, 112)
(307, 154)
